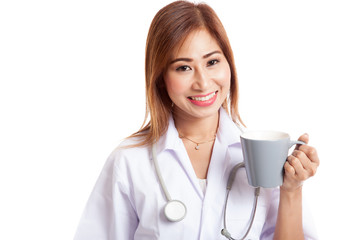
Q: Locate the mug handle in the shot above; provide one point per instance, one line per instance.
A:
(292, 143)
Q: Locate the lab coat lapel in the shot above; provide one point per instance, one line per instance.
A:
(226, 154)
(186, 164)
(170, 141)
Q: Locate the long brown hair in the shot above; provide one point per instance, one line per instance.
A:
(169, 28)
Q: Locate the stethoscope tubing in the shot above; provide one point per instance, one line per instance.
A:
(230, 181)
(231, 178)
(158, 173)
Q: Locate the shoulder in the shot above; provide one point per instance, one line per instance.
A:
(125, 164)
(126, 152)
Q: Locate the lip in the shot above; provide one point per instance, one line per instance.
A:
(204, 103)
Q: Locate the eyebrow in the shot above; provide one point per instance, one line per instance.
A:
(190, 59)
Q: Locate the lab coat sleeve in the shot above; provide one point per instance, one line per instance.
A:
(270, 223)
(109, 214)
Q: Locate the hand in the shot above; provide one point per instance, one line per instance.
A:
(300, 165)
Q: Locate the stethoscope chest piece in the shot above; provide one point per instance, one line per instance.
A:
(175, 210)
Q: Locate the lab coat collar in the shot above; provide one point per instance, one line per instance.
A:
(228, 133)
(170, 140)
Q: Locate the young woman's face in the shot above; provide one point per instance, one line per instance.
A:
(198, 77)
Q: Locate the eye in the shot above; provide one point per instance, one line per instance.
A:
(212, 62)
(183, 68)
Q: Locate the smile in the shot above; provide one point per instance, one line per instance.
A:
(204, 100)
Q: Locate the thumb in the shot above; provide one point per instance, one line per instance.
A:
(304, 138)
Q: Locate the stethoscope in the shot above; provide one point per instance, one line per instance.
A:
(175, 210)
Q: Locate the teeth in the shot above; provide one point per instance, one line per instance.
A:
(204, 98)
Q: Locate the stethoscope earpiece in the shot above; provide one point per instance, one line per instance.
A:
(175, 210)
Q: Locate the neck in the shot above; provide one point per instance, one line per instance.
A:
(197, 128)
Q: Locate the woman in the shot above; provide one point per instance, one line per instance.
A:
(192, 99)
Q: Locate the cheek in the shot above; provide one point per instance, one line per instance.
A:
(175, 85)
(223, 76)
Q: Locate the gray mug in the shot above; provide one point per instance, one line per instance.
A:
(265, 153)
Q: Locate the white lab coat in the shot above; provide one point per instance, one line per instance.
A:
(127, 201)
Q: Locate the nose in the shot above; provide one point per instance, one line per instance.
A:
(201, 79)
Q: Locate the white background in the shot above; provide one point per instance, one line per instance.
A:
(72, 86)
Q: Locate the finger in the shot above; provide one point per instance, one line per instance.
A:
(289, 170)
(304, 138)
(299, 169)
(311, 153)
(305, 161)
